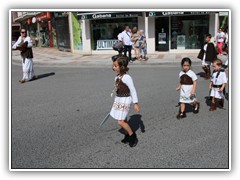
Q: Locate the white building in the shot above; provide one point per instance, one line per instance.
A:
(95, 32)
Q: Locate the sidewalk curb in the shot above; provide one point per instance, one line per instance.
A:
(104, 64)
(55, 58)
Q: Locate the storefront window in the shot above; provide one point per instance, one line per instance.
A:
(62, 33)
(54, 36)
(108, 29)
(188, 32)
(44, 34)
(33, 33)
(162, 34)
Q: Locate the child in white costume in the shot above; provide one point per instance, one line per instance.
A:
(217, 85)
(125, 95)
(187, 87)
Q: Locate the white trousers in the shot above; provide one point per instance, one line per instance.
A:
(27, 68)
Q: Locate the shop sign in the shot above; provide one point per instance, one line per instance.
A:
(101, 16)
(105, 44)
(223, 13)
(175, 13)
(43, 16)
(83, 16)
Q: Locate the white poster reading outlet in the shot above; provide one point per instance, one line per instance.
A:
(106, 44)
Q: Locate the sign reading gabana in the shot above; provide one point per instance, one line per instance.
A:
(106, 15)
(105, 44)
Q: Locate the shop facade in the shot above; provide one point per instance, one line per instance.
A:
(39, 27)
(15, 28)
(166, 31)
(62, 33)
(45, 29)
(96, 32)
(180, 31)
(100, 29)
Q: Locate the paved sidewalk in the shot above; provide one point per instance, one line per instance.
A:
(54, 57)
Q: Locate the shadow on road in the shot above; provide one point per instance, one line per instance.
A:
(43, 76)
(135, 122)
(201, 74)
(208, 100)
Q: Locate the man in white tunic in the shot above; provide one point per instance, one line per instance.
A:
(24, 45)
(126, 36)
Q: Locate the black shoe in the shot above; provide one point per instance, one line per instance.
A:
(181, 115)
(133, 140)
(126, 139)
(196, 108)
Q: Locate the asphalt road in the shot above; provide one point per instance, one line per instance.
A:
(55, 122)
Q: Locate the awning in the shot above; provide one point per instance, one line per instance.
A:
(107, 15)
(176, 13)
(26, 16)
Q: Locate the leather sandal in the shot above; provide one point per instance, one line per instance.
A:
(22, 81)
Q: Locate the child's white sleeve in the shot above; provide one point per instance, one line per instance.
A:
(194, 76)
(224, 78)
(129, 82)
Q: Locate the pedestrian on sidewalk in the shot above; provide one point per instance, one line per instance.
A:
(142, 46)
(36, 41)
(187, 87)
(220, 41)
(135, 41)
(127, 41)
(207, 54)
(217, 85)
(120, 49)
(24, 45)
(125, 95)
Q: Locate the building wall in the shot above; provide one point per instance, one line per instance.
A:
(86, 37)
(150, 35)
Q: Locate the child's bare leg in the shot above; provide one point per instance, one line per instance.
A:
(181, 113)
(125, 126)
(213, 105)
(136, 53)
(196, 106)
(213, 99)
(182, 107)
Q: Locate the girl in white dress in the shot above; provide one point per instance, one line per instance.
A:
(187, 87)
(125, 95)
(217, 85)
